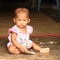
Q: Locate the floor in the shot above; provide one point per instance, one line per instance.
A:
(42, 24)
(52, 42)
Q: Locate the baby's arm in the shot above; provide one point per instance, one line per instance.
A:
(21, 48)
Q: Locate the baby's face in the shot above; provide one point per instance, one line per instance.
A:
(22, 20)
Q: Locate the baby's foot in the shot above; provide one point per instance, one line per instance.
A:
(45, 50)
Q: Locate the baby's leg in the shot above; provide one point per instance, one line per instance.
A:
(38, 48)
(13, 50)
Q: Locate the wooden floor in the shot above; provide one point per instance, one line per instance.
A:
(41, 23)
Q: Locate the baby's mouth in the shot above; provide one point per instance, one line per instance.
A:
(21, 25)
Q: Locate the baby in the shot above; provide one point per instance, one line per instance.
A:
(19, 41)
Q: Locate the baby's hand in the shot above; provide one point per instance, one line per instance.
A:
(29, 52)
(22, 48)
(32, 53)
(45, 50)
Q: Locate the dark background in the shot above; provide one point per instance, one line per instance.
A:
(12, 4)
(48, 7)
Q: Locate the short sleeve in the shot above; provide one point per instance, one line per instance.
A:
(30, 29)
(12, 30)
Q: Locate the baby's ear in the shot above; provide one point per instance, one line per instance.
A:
(29, 21)
(14, 20)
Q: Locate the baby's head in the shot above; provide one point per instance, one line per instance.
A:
(21, 16)
(19, 11)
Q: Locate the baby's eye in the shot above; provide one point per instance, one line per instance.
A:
(19, 20)
(24, 20)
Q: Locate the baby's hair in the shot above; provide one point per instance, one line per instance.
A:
(19, 10)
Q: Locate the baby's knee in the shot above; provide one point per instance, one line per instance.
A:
(16, 51)
(13, 51)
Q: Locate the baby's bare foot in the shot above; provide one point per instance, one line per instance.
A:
(45, 50)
